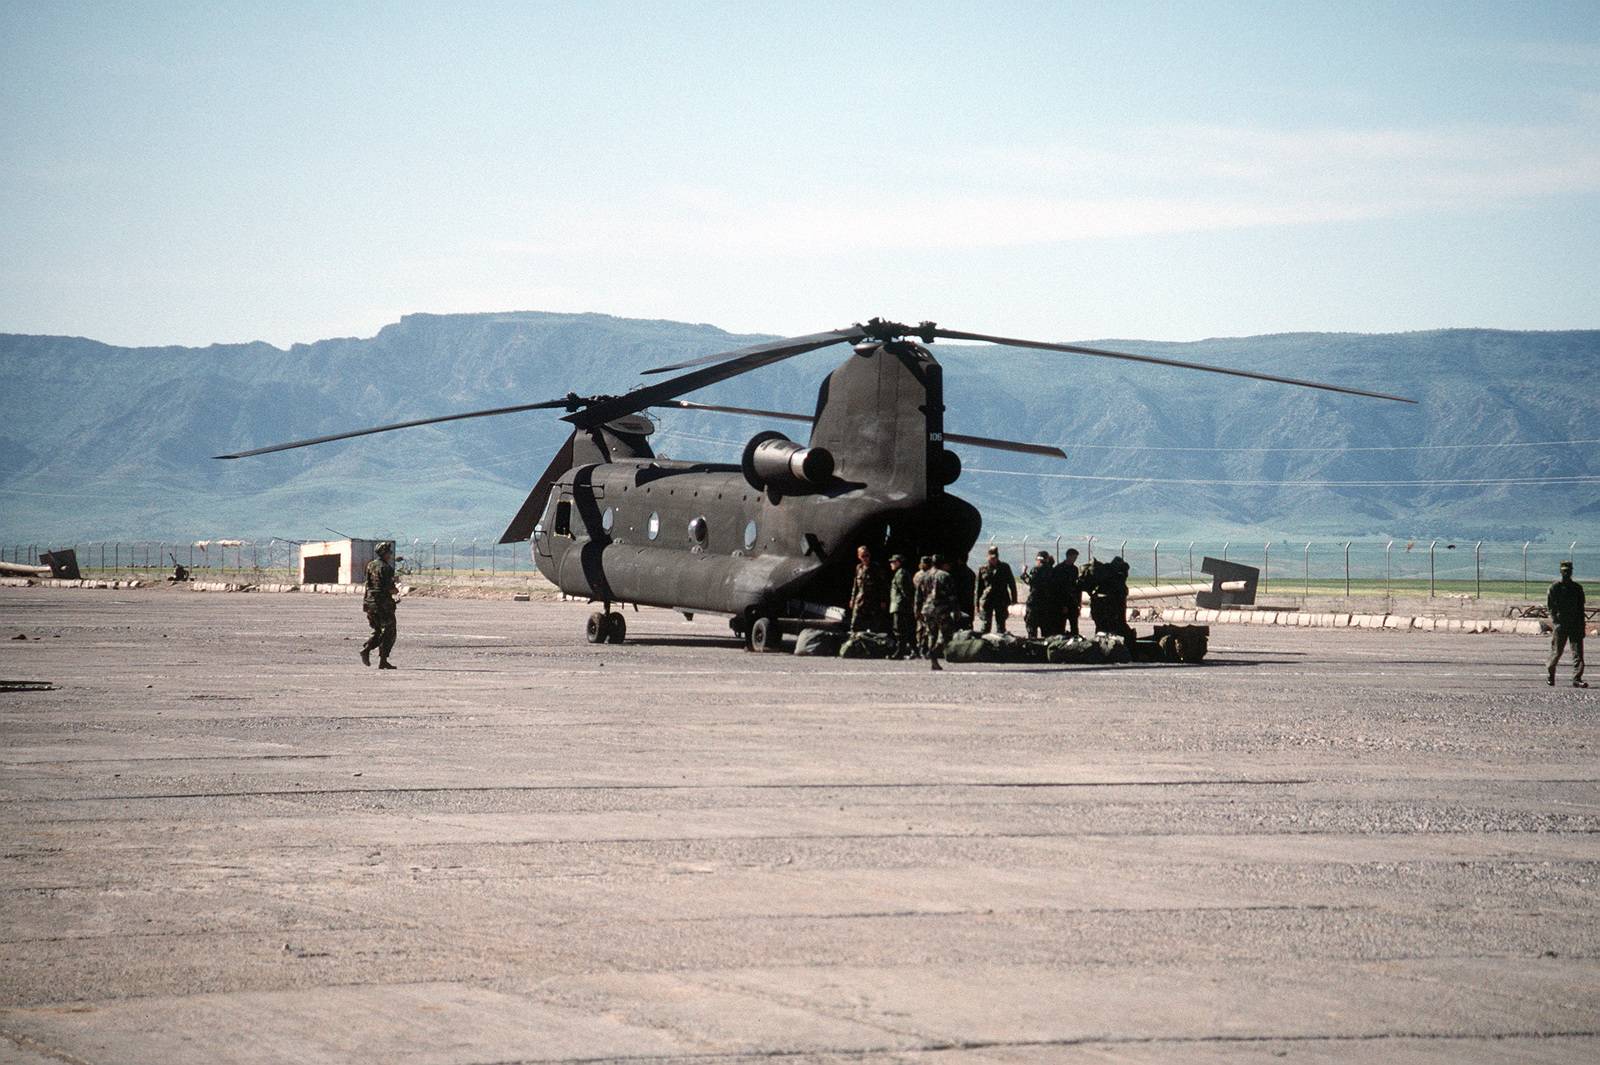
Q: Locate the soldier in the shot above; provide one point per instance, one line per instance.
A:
(919, 586)
(1108, 596)
(379, 604)
(1068, 588)
(995, 592)
(1565, 600)
(1040, 595)
(869, 597)
(902, 607)
(939, 608)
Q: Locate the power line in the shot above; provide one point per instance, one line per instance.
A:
(1325, 448)
(1477, 482)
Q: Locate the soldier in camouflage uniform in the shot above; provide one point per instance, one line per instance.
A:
(995, 592)
(939, 608)
(1042, 604)
(919, 587)
(869, 597)
(902, 607)
(379, 605)
(1565, 600)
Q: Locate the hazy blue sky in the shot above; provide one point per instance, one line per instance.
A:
(188, 173)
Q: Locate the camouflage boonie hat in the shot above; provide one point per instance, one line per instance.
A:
(383, 545)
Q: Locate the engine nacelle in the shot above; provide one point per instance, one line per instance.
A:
(772, 460)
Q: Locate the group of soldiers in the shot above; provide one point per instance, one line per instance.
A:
(1055, 595)
(918, 610)
(922, 609)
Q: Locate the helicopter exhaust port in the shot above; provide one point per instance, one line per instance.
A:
(772, 460)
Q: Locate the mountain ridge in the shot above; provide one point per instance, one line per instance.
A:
(102, 442)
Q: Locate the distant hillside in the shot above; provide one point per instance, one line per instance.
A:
(100, 442)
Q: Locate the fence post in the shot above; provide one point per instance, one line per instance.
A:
(1155, 559)
(1386, 592)
(1191, 561)
(1525, 569)
(1347, 569)
(1308, 571)
(1091, 550)
(1266, 559)
(1477, 562)
(1430, 568)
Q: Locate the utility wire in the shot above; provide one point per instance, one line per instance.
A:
(1479, 482)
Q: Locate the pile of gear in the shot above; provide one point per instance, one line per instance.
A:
(1165, 643)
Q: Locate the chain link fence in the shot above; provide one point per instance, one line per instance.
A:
(276, 561)
(1433, 568)
(1415, 568)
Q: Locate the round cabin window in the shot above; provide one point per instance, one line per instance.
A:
(653, 528)
(749, 535)
(697, 531)
(607, 519)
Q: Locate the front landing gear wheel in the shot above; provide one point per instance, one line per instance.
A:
(609, 627)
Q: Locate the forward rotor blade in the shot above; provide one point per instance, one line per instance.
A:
(731, 364)
(951, 334)
(532, 509)
(548, 404)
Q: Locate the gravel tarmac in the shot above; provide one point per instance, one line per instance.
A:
(224, 840)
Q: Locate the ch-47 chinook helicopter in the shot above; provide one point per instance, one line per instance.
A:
(770, 542)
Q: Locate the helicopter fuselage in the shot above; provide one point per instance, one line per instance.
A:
(698, 537)
(775, 536)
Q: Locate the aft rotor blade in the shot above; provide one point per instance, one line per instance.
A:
(780, 349)
(398, 425)
(951, 334)
(731, 364)
(684, 404)
(1005, 445)
(950, 438)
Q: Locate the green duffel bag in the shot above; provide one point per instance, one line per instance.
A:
(867, 645)
(965, 647)
(818, 642)
(1114, 647)
(1073, 650)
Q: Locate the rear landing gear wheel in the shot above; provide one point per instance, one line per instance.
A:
(596, 630)
(616, 628)
(764, 635)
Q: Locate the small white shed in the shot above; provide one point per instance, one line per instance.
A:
(336, 561)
